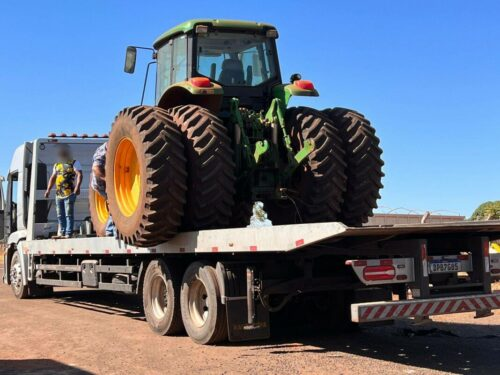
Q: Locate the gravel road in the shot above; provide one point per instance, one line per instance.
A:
(82, 332)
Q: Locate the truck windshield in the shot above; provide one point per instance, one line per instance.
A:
(234, 59)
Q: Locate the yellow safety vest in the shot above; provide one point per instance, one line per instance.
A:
(65, 180)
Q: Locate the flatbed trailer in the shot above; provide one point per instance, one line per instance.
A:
(232, 283)
(433, 269)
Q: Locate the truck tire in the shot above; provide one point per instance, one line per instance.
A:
(161, 298)
(203, 314)
(364, 165)
(210, 166)
(145, 176)
(16, 278)
(319, 184)
(99, 213)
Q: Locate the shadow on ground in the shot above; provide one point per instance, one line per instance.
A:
(102, 302)
(450, 347)
(38, 367)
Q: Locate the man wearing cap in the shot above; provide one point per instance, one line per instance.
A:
(67, 177)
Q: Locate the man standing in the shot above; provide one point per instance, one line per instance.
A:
(98, 181)
(67, 177)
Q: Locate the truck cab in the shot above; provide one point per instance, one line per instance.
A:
(27, 214)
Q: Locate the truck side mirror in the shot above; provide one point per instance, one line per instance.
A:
(130, 59)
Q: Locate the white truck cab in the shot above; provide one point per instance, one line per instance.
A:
(29, 219)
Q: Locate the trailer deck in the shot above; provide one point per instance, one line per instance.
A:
(285, 238)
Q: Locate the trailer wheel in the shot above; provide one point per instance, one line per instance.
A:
(99, 213)
(145, 176)
(203, 314)
(16, 277)
(160, 298)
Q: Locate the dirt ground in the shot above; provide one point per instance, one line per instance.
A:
(82, 332)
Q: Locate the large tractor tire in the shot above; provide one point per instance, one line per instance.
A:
(145, 176)
(210, 166)
(364, 165)
(242, 214)
(319, 184)
(99, 213)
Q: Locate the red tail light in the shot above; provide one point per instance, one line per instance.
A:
(200, 82)
(373, 273)
(304, 84)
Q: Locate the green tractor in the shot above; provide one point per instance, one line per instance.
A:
(221, 137)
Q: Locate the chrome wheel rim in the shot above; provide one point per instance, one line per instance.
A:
(198, 303)
(16, 279)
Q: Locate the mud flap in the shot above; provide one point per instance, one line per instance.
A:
(232, 280)
(237, 322)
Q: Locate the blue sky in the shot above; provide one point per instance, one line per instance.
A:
(426, 73)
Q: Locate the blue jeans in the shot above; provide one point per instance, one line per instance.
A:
(110, 228)
(65, 208)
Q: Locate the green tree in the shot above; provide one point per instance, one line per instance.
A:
(487, 211)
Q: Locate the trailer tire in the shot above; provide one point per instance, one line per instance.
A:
(211, 170)
(145, 176)
(320, 182)
(203, 313)
(16, 278)
(160, 298)
(364, 165)
(99, 212)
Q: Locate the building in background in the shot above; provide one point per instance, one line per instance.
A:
(428, 218)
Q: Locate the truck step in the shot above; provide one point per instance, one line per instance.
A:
(55, 282)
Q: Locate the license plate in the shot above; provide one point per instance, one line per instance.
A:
(445, 266)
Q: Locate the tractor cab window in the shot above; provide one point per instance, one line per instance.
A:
(172, 64)
(235, 59)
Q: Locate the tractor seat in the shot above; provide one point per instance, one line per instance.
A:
(232, 72)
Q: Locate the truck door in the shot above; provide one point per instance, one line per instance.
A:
(12, 203)
(18, 190)
(2, 210)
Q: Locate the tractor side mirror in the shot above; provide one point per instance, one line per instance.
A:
(130, 59)
(295, 77)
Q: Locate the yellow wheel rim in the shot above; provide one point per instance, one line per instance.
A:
(127, 177)
(101, 208)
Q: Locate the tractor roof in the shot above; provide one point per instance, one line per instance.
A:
(228, 24)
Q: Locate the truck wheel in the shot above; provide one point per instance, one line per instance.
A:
(160, 298)
(364, 165)
(319, 184)
(16, 277)
(203, 314)
(145, 176)
(99, 213)
(210, 166)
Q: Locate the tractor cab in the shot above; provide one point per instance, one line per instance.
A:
(208, 62)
